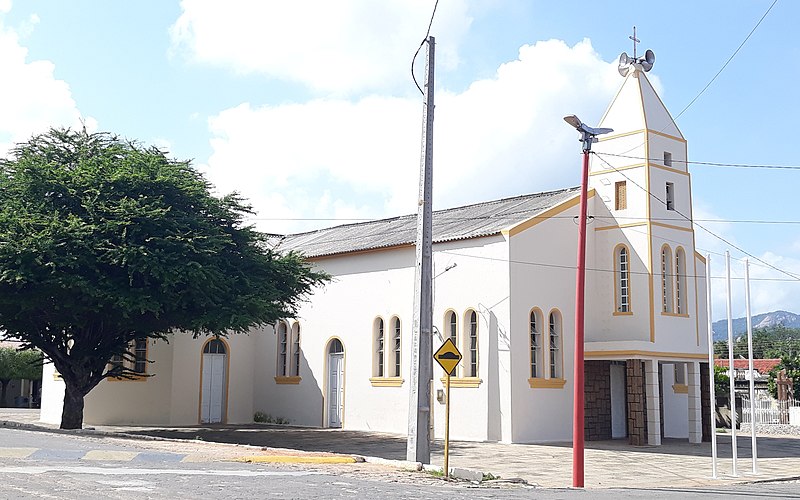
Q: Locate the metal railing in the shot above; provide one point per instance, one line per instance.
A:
(767, 410)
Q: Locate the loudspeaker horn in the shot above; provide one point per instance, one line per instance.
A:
(624, 64)
(648, 60)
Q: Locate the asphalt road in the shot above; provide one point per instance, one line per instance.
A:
(58, 466)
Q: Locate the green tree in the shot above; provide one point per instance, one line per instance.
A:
(721, 381)
(792, 366)
(104, 241)
(16, 364)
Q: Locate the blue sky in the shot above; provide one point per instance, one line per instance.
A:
(308, 108)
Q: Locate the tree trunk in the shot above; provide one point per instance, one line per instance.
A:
(72, 414)
(3, 392)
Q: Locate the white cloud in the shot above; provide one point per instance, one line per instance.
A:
(336, 158)
(31, 99)
(343, 46)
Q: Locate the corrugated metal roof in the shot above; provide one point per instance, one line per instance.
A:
(470, 221)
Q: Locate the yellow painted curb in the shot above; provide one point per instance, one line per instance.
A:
(285, 459)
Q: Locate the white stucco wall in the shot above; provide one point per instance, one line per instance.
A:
(142, 401)
(52, 396)
(543, 276)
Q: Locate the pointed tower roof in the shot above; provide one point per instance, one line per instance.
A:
(637, 107)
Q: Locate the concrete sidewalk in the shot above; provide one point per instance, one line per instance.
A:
(675, 464)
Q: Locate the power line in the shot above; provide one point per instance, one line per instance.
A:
(724, 240)
(600, 270)
(718, 72)
(728, 61)
(707, 163)
(427, 34)
(533, 217)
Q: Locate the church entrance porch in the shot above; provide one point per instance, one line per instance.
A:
(644, 400)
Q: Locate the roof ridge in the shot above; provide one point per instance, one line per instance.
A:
(441, 211)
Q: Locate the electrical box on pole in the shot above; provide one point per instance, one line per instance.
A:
(419, 403)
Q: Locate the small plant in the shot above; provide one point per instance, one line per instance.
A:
(266, 418)
(488, 476)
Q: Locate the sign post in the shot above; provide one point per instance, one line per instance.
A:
(448, 358)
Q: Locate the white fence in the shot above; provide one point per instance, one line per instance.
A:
(768, 410)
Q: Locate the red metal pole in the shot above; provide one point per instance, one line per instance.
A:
(580, 284)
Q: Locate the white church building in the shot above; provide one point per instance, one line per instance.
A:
(503, 290)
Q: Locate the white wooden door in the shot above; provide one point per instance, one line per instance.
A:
(213, 388)
(619, 417)
(335, 389)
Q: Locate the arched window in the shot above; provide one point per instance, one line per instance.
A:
(296, 349)
(472, 344)
(335, 347)
(623, 279)
(666, 279)
(536, 344)
(283, 350)
(555, 344)
(215, 346)
(680, 281)
(396, 347)
(451, 326)
(380, 345)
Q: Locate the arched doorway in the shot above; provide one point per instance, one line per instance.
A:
(335, 383)
(213, 382)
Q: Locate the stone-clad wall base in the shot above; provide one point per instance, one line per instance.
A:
(597, 402)
(637, 403)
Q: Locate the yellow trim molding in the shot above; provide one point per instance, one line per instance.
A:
(130, 378)
(620, 226)
(463, 381)
(674, 314)
(617, 169)
(699, 257)
(662, 134)
(293, 380)
(546, 383)
(543, 216)
(647, 354)
(386, 381)
(617, 313)
(669, 169)
(680, 389)
(671, 226)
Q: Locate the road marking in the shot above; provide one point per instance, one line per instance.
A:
(125, 471)
(288, 459)
(110, 455)
(17, 452)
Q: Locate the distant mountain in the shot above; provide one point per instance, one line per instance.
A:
(787, 319)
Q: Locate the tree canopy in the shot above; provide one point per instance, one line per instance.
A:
(104, 241)
(16, 364)
(772, 342)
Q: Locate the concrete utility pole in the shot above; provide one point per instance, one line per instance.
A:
(419, 401)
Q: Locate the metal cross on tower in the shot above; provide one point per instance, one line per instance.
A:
(635, 41)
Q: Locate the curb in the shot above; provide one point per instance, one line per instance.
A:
(471, 475)
(288, 459)
(400, 464)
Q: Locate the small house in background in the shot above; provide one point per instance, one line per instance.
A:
(20, 393)
(741, 374)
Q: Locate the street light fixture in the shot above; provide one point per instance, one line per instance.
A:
(588, 136)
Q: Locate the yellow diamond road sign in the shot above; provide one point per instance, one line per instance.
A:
(448, 356)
